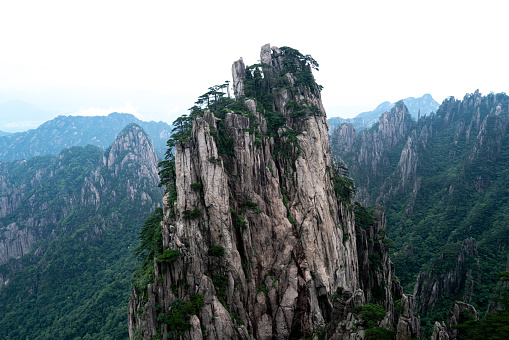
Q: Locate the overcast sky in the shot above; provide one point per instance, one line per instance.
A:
(154, 58)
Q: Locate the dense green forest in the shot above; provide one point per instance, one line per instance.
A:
(448, 215)
(75, 281)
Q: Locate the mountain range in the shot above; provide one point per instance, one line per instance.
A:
(68, 228)
(417, 107)
(443, 183)
(67, 131)
(270, 225)
(18, 115)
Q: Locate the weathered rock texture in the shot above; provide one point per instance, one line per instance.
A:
(365, 153)
(239, 77)
(289, 245)
(446, 331)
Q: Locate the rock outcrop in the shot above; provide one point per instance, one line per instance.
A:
(239, 77)
(15, 242)
(457, 282)
(265, 246)
(365, 153)
(446, 331)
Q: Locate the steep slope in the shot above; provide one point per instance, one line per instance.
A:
(443, 184)
(256, 243)
(68, 225)
(67, 131)
(371, 154)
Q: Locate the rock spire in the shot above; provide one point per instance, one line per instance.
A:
(263, 247)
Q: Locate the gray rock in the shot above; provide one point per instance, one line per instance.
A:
(15, 242)
(279, 221)
(239, 77)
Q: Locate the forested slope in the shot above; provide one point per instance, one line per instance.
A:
(68, 228)
(443, 183)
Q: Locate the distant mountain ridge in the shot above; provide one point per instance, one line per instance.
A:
(67, 131)
(68, 228)
(425, 105)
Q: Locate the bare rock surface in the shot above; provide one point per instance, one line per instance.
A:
(287, 242)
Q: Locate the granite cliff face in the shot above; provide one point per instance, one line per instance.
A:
(377, 278)
(457, 281)
(446, 331)
(262, 247)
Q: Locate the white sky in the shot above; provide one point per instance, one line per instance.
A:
(154, 58)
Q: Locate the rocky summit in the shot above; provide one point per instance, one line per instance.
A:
(259, 237)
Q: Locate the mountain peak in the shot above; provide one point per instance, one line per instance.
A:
(67, 131)
(132, 146)
(424, 104)
(259, 239)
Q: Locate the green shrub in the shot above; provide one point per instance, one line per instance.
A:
(168, 256)
(346, 236)
(375, 260)
(250, 205)
(239, 222)
(179, 314)
(292, 221)
(398, 306)
(220, 282)
(263, 288)
(379, 333)
(343, 185)
(338, 295)
(236, 318)
(196, 186)
(189, 214)
(364, 218)
(216, 251)
(371, 314)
